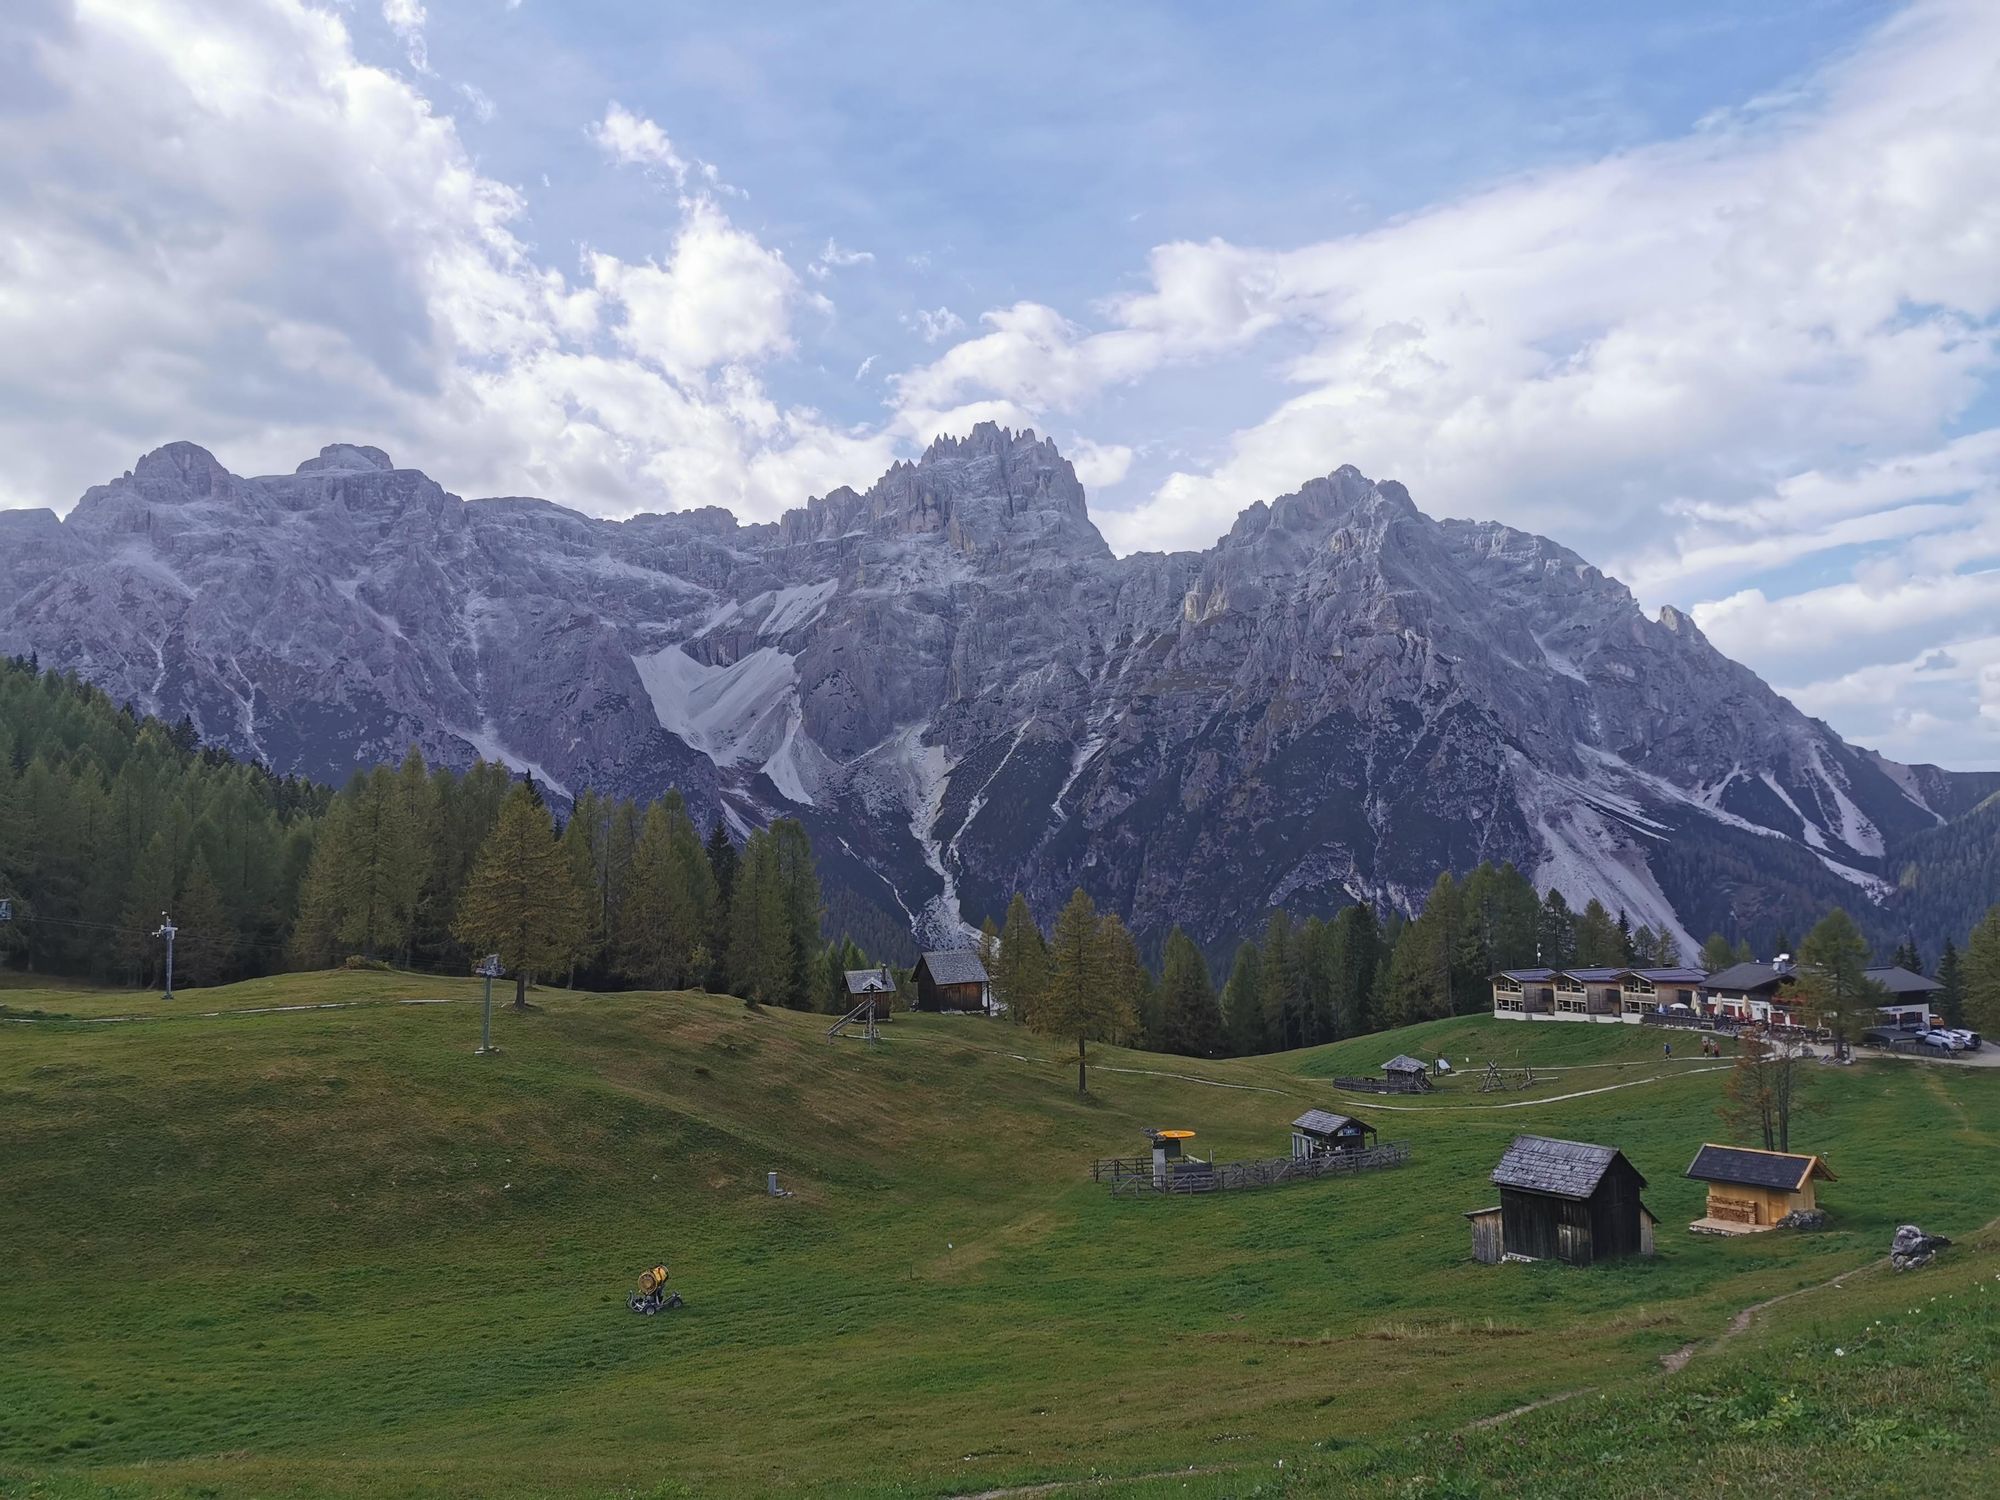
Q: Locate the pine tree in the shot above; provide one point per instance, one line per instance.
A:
(1906, 955)
(799, 898)
(205, 942)
(1278, 988)
(1832, 975)
(151, 893)
(1129, 987)
(1950, 975)
(1243, 1003)
(761, 965)
(521, 900)
(1555, 932)
(1021, 973)
(1981, 966)
(1356, 957)
(1085, 999)
(1192, 1020)
(1316, 986)
(1716, 954)
(1599, 943)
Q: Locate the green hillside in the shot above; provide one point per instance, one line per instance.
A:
(328, 1251)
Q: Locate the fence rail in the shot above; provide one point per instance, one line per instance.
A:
(1191, 1176)
(1412, 1083)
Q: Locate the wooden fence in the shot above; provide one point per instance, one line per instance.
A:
(1134, 1175)
(1402, 1083)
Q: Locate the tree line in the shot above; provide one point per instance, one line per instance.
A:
(110, 820)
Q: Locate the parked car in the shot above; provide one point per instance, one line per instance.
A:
(1968, 1041)
(1944, 1041)
(1879, 1036)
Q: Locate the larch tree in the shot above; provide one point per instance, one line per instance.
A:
(1832, 975)
(1085, 1000)
(1717, 954)
(1981, 966)
(1022, 971)
(521, 899)
(205, 939)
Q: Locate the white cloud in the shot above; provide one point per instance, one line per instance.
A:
(719, 298)
(834, 257)
(1098, 465)
(932, 324)
(406, 18)
(634, 140)
(864, 367)
(275, 242)
(477, 99)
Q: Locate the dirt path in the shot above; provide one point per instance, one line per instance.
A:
(1054, 1486)
(1523, 1410)
(1421, 1109)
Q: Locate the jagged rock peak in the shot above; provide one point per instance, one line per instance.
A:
(347, 458)
(1321, 503)
(186, 464)
(988, 440)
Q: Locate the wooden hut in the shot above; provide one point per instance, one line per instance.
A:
(1563, 1200)
(1407, 1074)
(952, 981)
(1751, 1190)
(879, 983)
(1319, 1130)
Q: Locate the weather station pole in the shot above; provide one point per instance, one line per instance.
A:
(489, 969)
(167, 930)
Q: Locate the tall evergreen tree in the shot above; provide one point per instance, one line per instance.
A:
(1599, 943)
(1951, 977)
(1192, 1020)
(1555, 932)
(1085, 1000)
(1832, 974)
(1022, 972)
(1716, 954)
(1981, 966)
(1278, 988)
(521, 900)
(1243, 1003)
(205, 940)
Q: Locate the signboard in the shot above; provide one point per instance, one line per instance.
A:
(489, 967)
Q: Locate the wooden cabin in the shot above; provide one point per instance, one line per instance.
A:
(1563, 1200)
(1406, 1074)
(1321, 1130)
(1751, 1190)
(861, 983)
(953, 982)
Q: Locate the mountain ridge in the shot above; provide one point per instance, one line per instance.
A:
(964, 692)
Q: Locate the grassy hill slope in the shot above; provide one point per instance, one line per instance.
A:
(329, 1251)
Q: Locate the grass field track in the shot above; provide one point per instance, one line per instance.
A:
(327, 1252)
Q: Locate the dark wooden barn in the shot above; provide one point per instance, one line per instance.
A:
(1320, 1130)
(952, 981)
(1563, 1200)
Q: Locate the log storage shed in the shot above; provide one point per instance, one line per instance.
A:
(1751, 1190)
(1563, 1200)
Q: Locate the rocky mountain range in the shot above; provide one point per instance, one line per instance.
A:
(962, 692)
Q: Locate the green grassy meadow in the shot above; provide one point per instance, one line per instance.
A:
(328, 1251)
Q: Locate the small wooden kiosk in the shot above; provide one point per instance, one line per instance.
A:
(1563, 1200)
(1751, 1190)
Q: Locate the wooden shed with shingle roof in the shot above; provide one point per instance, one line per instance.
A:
(952, 981)
(1564, 1200)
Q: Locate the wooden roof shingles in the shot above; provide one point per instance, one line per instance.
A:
(1325, 1122)
(1563, 1169)
(961, 967)
(1402, 1062)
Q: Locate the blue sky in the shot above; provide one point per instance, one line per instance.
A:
(1707, 292)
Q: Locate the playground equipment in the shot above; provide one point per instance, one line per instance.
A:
(653, 1295)
(1499, 1080)
(865, 1013)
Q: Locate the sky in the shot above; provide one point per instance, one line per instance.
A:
(1709, 293)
